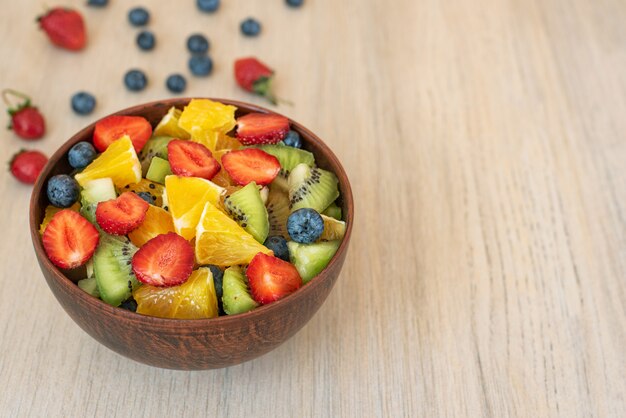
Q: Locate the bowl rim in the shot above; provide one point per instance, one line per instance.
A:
(70, 287)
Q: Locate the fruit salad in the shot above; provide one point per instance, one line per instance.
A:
(202, 215)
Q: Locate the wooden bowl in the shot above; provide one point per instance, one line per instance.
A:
(200, 343)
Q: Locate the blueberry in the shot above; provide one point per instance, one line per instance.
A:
(294, 3)
(83, 103)
(81, 154)
(278, 244)
(146, 40)
(305, 225)
(208, 6)
(218, 276)
(176, 83)
(200, 65)
(135, 80)
(146, 196)
(62, 191)
(138, 16)
(129, 304)
(197, 44)
(250, 27)
(293, 140)
(97, 3)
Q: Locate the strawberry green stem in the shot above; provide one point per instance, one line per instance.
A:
(7, 93)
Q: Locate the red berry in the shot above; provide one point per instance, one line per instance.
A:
(165, 260)
(251, 164)
(69, 239)
(114, 127)
(191, 159)
(122, 215)
(271, 278)
(65, 28)
(262, 128)
(254, 76)
(27, 165)
(28, 123)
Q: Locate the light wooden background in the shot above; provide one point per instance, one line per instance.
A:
(485, 142)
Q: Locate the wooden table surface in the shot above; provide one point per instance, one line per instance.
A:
(485, 142)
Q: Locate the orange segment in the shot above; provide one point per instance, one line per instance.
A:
(119, 161)
(51, 211)
(221, 241)
(206, 120)
(194, 299)
(147, 186)
(186, 197)
(157, 221)
(168, 126)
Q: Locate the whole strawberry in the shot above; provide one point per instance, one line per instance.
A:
(65, 28)
(256, 77)
(26, 121)
(27, 165)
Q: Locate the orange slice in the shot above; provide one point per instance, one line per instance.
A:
(119, 161)
(157, 221)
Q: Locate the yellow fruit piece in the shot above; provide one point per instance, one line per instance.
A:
(157, 221)
(223, 179)
(221, 241)
(225, 142)
(168, 126)
(147, 186)
(333, 229)
(186, 197)
(194, 299)
(119, 161)
(216, 141)
(206, 120)
(50, 212)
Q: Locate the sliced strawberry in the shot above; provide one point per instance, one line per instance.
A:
(191, 159)
(114, 127)
(122, 215)
(69, 239)
(166, 260)
(271, 278)
(261, 128)
(251, 164)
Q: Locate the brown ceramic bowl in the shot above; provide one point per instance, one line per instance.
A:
(190, 344)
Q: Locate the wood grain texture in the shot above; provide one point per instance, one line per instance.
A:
(485, 145)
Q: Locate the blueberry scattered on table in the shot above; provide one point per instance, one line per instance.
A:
(135, 80)
(97, 3)
(305, 225)
(62, 191)
(250, 27)
(200, 65)
(197, 44)
(81, 154)
(83, 103)
(208, 6)
(176, 83)
(293, 139)
(146, 40)
(138, 16)
(294, 3)
(278, 244)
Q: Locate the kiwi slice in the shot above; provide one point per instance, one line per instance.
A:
(155, 147)
(246, 207)
(311, 259)
(312, 188)
(90, 286)
(282, 181)
(159, 169)
(112, 268)
(236, 298)
(289, 157)
(278, 211)
(93, 192)
(333, 211)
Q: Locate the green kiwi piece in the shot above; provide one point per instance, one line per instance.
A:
(333, 211)
(159, 169)
(236, 297)
(278, 211)
(289, 157)
(312, 188)
(246, 207)
(311, 259)
(112, 268)
(281, 181)
(94, 192)
(155, 147)
(90, 286)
